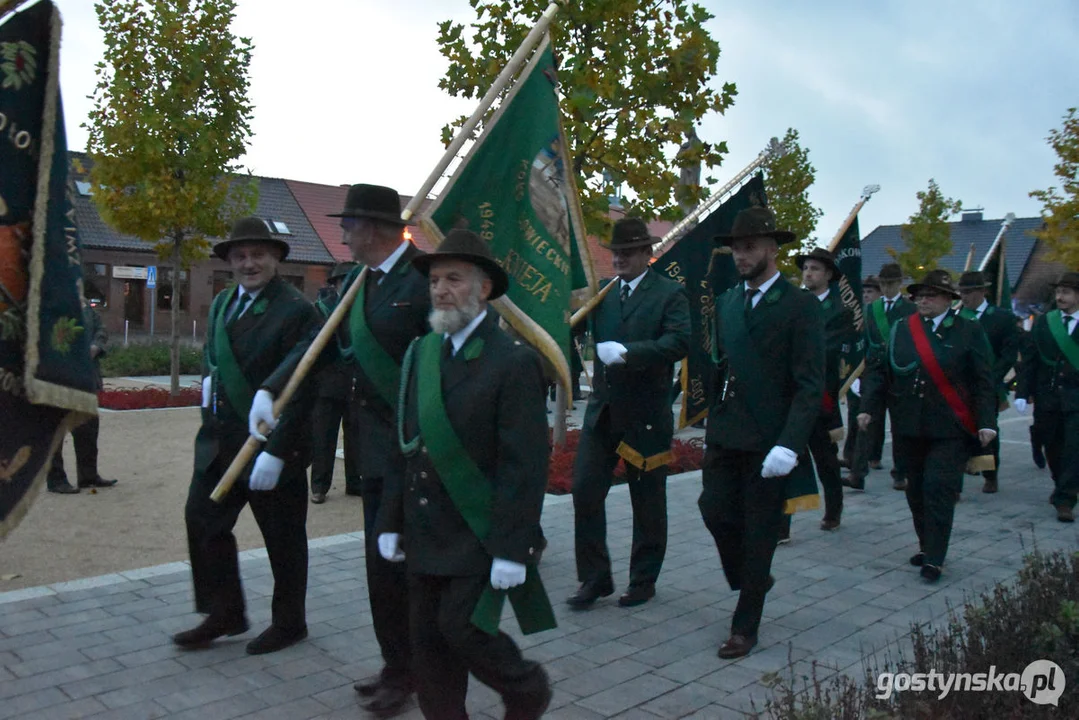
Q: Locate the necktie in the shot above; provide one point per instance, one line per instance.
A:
(374, 277)
(750, 294)
(1068, 324)
(244, 299)
(447, 349)
(625, 292)
(887, 306)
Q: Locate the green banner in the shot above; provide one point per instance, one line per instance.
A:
(48, 383)
(848, 256)
(515, 189)
(706, 271)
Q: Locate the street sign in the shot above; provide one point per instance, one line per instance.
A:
(151, 277)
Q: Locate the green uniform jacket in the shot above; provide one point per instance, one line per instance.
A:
(918, 409)
(787, 331)
(1046, 376)
(655, 329)
(335, 379)
(1004, 336)
(493, 391)
(838, 331)
(876, 338)
(269, 331)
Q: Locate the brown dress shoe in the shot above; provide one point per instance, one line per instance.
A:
(829, 524)
(273, 639)
(64, 488)
(1065, 514)
(900, 485)
(990, 486)
(854, 482)
(736, 646)
(637, 595)
(209, 630)
(589, 592)
(317, 498)
(930, 572)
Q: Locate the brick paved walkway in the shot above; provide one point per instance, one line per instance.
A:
(99, 647)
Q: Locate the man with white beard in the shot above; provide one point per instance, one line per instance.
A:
(472, 424)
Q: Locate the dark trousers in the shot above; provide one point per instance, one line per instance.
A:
(447, 647)
(281, 515)
(593, 472)
(934, 468)
(327, 417)
(743, 511)
(84, 438)
(1060, 432)
(826, 458)
(994, 447)
(387, 589)
(899, 471)
(853, 403)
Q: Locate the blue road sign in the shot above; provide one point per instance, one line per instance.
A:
(151, 277)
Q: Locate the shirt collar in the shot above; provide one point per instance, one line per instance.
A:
(389, 262)
(458, 338)
(634, 282)
(982, 308)
(892, 300)
(938, 319)
(253, 294)
(765, 286)
(824, 295)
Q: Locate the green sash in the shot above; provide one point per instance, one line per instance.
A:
(223, 366)
(1066, 343)
(880, 319)
(376, 363)
(471, 493)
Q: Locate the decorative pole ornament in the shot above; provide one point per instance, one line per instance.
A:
(867, 192)
(998, 247)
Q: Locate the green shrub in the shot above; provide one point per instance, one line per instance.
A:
(149, 359)
(1007, 628)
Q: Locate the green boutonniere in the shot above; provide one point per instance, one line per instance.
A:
(772, 295)
(949, 321)
(473, 348)
(260, 306)
(827, 304)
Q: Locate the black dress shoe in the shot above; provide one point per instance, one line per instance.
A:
(854, 482)
(930, 572)
(1036, 449)
(899, 484)
(317, 498)
(829, 524)
(589, 592)
(273, 639)
(97, 482)
(637, 595)
(387, 700)
(530, 708)
(210, 629)
(736, 646)
(917, 559)
(990, 486)
(64, 488)
(1065, 514)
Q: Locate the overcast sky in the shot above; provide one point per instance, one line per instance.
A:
(891, 93)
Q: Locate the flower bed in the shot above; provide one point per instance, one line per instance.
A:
(688, 455)
(150, 397)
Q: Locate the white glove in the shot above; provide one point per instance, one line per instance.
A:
(388, 547)
(611, 353)
(779, 462)
(261, 411)
(856, 387)
(207, 390)
(1021, 406)
(506, 574)
(266, 473)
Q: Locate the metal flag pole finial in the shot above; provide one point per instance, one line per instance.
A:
(867, 192)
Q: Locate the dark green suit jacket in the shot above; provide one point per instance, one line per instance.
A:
(655, 329)
(1046, 377)
(496, 405)
(918, 408)
(787, 331)
(263, 339)
(838, 331)
(877, 337)
(1004, 335)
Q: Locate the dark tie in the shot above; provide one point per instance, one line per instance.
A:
(244, 299)
(887, 306)
(1068, 324)
(374, 277)
(750, 294)
(447, 349)
(625, 293)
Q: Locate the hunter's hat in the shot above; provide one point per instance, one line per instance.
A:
(890, 272)
(935, 281)
(871, 281)
(249, 230)
(1068, 280)
(629, 233)
(470, 247)
(973, 280)
(756, 222)
(376, 202)
(820, 255)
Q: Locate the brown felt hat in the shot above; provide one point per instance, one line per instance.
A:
(376, 202)
(936, 281)
(629, 233)
(821, 255)
(467, 245)
(756, 221)
(249, 230)
(973, 280)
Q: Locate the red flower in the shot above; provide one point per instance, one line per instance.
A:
(140, 399)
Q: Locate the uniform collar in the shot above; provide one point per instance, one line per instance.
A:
(461, 336)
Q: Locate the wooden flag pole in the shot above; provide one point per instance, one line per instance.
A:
(970, 259)
(247, 452)
(515, 62)
(1007, 223)
(867, 192)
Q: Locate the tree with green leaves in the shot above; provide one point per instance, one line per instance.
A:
(636, 80)
(170, 120)
(1060, 207)
(788, 174)
(926, 234)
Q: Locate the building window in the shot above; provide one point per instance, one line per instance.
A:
(95, 282)
(165, 289)
(83, 187)
(278, 227)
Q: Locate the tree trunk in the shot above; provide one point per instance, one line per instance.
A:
(174, 351)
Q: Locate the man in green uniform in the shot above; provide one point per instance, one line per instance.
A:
(466, 512)
(84, 436)
(253, 326)
(389, 312)
(331, 411)
(938, 372)
(769, 350)
(862, 448)
(640, 329)
(1004, 336)
(881, 316)
(1049, 380)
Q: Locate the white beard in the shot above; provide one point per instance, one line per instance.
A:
(450, 321)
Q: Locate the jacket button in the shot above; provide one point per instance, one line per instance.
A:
(647, 427)
(423, 501)
(424, 449)
(363, 403)
(531, 551)
(423, 475)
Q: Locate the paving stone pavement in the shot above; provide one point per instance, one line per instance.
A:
(99, 647)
